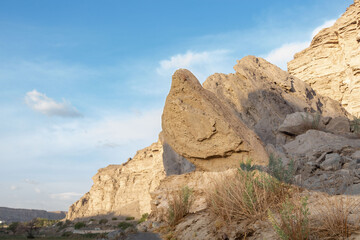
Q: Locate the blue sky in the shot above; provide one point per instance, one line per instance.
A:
(83, 83)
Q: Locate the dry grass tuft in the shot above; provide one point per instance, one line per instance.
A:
(336, 217)
(179, 205)
(245, 195)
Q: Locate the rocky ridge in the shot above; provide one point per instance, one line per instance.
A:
(331, 64)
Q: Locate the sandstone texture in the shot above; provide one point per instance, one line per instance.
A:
(199, 127)
(123, 189)
(262, 95)
(331, 65)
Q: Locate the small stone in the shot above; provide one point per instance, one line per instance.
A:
(353, 190)
(356, 155)
(332, 162)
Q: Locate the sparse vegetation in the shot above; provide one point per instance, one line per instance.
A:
(279, 171)
(79, 225)
(336, 217)
(294, 220)
(114, 219)
(246, 195)
(355, 125)
(129, 218)
(312, 120)
(103, 221)
(179, 205)
(144, 217)
(124, 225)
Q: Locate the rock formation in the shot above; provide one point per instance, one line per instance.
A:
(262, 95)
(331, 65)
(200, 128)
(123, 189)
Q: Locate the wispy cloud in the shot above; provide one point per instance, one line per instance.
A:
(282, 55)
(66, 195)
(41, 103)
(202, 64)
(326, 24)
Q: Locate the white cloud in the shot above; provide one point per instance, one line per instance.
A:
(326, 24)
(202, 64)
(41, 103)
(280, 56)
(13, 187)
(66, 195)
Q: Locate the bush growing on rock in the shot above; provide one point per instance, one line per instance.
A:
(79, 225)
(245, 195)
(294, 220)
(144, 217)
(179, 205)
(129, 218)
(124, 225)
(279, 171)
(103, 221)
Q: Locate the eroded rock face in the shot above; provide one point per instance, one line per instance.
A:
(262, 95)
(123, 189)
(199, 127)
(331, 65)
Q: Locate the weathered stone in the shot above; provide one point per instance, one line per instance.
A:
(174, 164)
(314, 143)
(339, 125)
(331, 65)
(123, 189)
(299, 122)
(356, 155)
(262, 95)
(115, 234)
(200, 128)
(332, 162)
(353, 190)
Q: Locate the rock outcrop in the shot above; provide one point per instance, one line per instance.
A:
(200, 128)
(331, 65)
(123, 189)
(262, 95)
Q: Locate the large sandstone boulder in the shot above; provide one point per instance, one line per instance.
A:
(331, 65)
(200, 128)
(123, 189)
(262, 95)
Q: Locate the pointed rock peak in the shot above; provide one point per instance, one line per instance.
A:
(199, 127)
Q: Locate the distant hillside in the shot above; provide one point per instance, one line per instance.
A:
(23, 215)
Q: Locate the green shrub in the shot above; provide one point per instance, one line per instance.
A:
(129, 218)
(103, 221)
(13, 226)
(67, 234)
(114, 218)
(355, 125)
(79, 225)
(179, 205)
(294, 221)
(247, 166)
(124, 225)
(144, 217)
(279, 171)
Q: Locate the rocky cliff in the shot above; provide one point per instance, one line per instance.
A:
(331, 65)
(123, 189)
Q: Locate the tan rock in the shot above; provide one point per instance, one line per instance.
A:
(331, 65)
(123, 189)
(199, 127)
(262, 95)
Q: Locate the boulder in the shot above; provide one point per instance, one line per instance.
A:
(200, 128)
(314, 143)
(339, 125)
(299, 122)
(331, 64)
(332, 162)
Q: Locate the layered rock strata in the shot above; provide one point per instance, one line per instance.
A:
(331, 65)
(123, 189)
